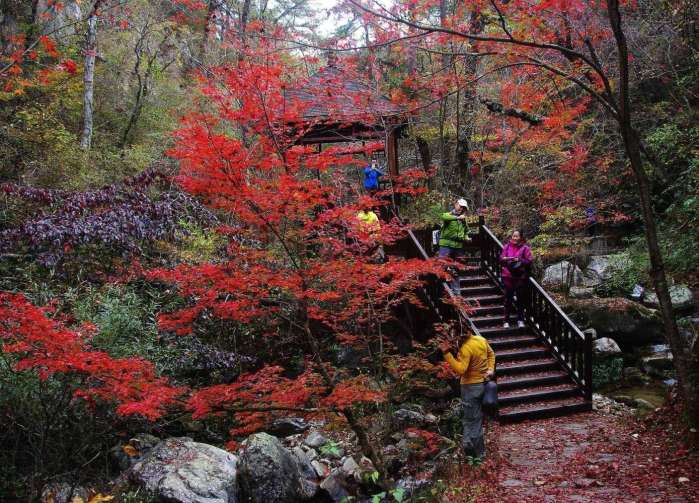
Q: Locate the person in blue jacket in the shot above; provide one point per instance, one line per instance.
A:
(372, 173)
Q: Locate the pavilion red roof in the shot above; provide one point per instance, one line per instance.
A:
(335, 95)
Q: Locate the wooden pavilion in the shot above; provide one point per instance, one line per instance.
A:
(340, 107)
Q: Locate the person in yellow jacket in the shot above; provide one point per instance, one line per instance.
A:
(475, 364)
(369, 223)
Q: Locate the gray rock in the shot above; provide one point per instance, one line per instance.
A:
(62, 492)
(581, 292)
(315, 439)
(349, 466)
(270, 473)
(287, 426)
(561, 274)
(179, 470)
(603, 265)
(307, 470)
(627, 322)
(405, 417)
(606, 347)
(322, 470)
(334, 486)
(680, 296)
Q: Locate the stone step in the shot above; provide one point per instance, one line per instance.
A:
(544, 409)
(538, 394)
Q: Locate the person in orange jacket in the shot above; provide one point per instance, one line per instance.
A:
(475, 364)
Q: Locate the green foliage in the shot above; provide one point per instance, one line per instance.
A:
(126, 322)
(425, 210)
(607, 371)
(626, 270)
(330, 448)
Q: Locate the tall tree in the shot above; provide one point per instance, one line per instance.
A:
(89, 75)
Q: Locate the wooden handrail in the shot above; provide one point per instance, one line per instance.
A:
(571, 347)
(444, 286)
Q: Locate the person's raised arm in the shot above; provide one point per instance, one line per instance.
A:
(461, 362)
(448, 216)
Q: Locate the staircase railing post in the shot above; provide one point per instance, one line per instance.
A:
(481, 240)
(588, 365)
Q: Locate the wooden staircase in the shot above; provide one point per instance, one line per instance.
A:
(543, 369)
(531, 381)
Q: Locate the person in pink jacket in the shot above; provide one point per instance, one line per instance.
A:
(516, 260)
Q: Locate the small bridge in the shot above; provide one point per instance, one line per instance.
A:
(543, 369)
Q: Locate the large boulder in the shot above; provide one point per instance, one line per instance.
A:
(680, 296)
(561, 274)
(628, 323)
(271, 473)
(179, 470)
(601, 266)
(286, 426)
(606, 347)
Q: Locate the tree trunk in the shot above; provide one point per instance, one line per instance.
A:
(89, 78)
(470, 96)
(682, 359)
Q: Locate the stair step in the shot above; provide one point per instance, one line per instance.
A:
(476, 279)
(512, 341)
(515, 367)
(536, 410)
(537, 394)
(492, 309)
(484, 299)
(471, 271)
(472, 291)
(486, 321)
(496, 331)
(521, 353)
(532, 379)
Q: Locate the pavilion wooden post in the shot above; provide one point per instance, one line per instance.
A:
(392, 151)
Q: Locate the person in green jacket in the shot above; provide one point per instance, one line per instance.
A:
(454, 231)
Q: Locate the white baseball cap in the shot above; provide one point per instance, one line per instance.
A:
(462, 202)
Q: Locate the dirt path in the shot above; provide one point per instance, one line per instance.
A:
(590, 457)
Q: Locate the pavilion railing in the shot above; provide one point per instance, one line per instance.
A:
(569, 345)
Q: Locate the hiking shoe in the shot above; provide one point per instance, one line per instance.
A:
(505, 325)
(520, 324)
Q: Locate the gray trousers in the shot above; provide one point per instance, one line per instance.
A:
(472, 403)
